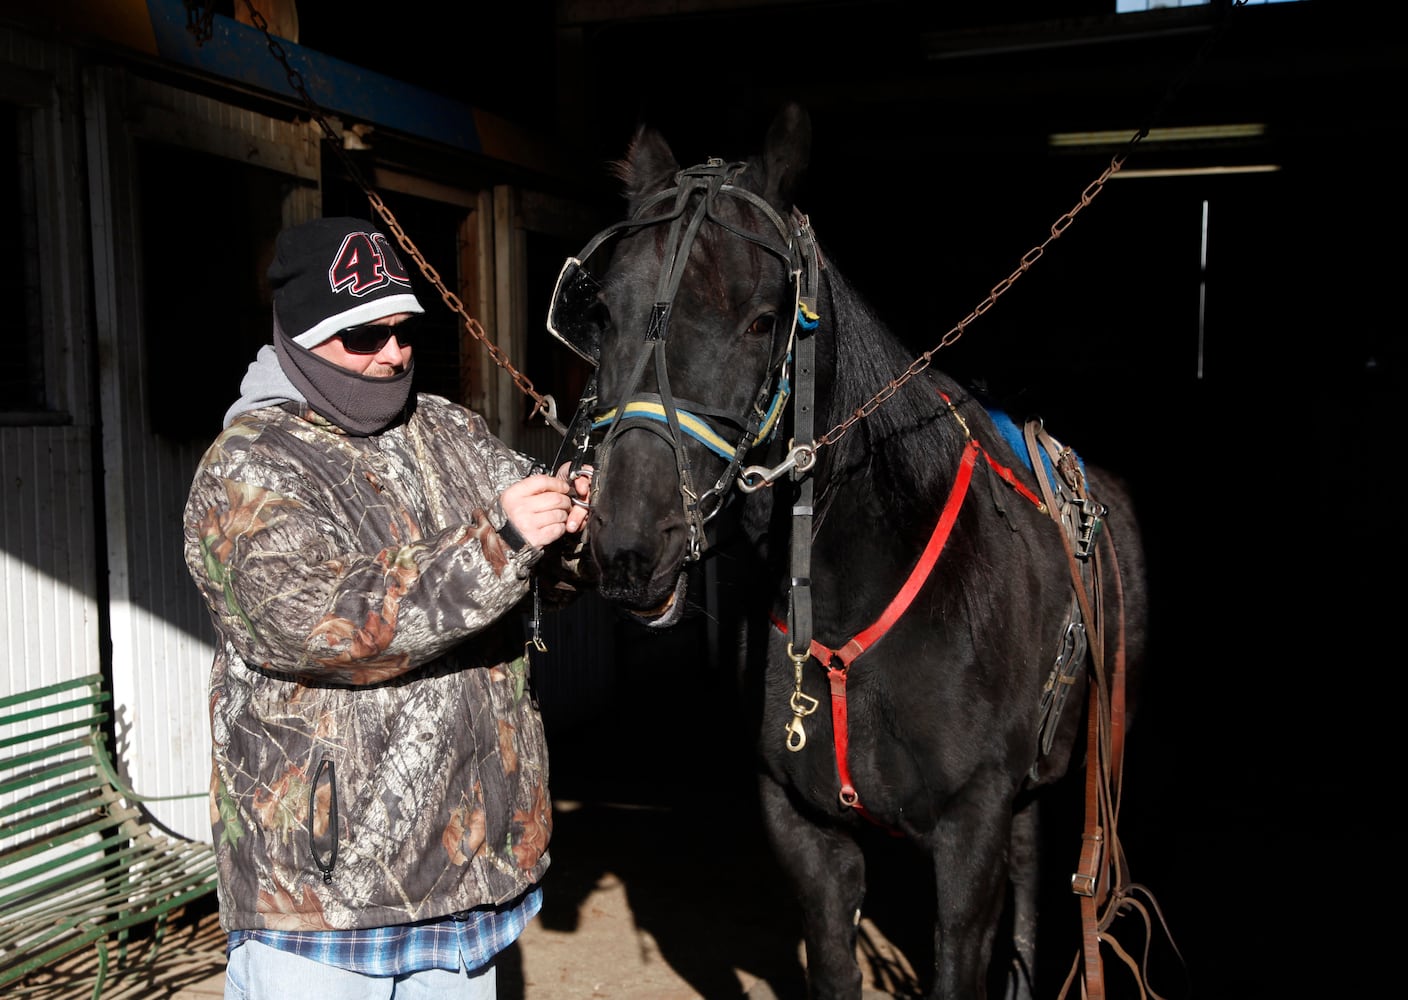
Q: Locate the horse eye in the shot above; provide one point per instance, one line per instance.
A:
(763, 325)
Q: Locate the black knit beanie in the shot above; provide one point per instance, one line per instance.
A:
(331, 274)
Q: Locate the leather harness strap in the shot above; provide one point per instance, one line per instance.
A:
(1100, 877)
(1100, 852)
(847, 653)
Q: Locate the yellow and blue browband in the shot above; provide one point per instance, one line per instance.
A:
(696, 427)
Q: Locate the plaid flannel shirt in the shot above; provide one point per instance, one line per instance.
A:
(473, 937)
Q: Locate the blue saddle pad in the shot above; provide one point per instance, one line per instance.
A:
(1008, 428)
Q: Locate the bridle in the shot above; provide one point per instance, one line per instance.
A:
(687, 205)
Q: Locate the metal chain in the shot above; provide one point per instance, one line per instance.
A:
(1028, 259)
(544, 405)
(951, 337)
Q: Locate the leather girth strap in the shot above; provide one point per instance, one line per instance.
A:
(1099, 878)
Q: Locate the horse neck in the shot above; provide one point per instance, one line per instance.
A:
(905, 448)
(890, 467)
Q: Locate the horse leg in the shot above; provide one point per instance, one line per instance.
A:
(969, 850)
(826, 870)
(1025, 885)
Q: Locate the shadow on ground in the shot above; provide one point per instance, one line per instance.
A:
(1248, 768)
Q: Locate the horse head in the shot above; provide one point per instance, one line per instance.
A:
(691, 325)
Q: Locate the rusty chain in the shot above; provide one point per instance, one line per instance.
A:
(957, 330)
(1028, 259)
(542, 404)
(200, 26)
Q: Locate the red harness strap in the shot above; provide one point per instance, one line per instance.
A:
(863, 640)
(1005, 474)
(897, 607)
(918, 575)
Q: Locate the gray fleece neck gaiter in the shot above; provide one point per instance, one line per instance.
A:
(359, 404)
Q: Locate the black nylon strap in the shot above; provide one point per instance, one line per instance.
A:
(804, 399)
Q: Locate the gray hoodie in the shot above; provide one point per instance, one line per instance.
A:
(264, 384)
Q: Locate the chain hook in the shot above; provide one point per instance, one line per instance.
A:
(799, 461)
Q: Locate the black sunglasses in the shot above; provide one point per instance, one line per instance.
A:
(370, 338)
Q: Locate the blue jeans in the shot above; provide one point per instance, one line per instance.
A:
(258, 972)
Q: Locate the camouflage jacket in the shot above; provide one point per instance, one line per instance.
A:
(378, 757)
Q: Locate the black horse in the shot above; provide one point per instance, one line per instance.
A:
(960, 597)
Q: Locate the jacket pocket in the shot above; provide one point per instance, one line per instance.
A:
(322, 818)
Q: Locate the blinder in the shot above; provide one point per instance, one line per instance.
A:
(576, 318)
(574, 312)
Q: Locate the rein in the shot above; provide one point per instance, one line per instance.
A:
(1101, 878)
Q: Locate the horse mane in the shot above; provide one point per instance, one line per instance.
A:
(910, 444)
(905, 453)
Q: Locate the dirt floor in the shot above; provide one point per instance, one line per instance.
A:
(639, 907)
(662, 886)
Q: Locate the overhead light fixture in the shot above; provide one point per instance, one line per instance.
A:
(1253, 168)
(1191, 133)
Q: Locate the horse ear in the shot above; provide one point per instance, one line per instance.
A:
(648, 165)
(786, 153)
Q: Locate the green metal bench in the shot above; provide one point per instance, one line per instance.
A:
(81, 865)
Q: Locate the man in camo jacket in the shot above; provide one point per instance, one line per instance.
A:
(379, 789)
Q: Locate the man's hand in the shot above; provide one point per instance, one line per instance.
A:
(543, 508)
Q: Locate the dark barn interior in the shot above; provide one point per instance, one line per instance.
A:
(1209, 320)
(1216, 332)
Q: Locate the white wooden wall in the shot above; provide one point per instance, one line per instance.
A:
(92, 572)
(91, 525)
(50, 609)
(161, 634)
(49, 628)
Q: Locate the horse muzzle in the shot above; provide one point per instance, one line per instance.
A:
(668, 612)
